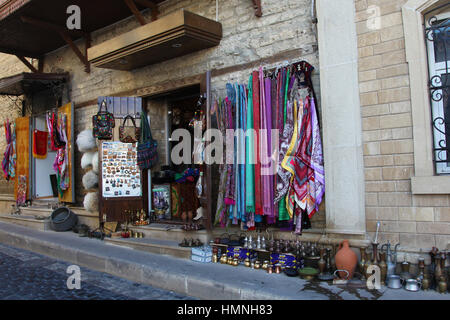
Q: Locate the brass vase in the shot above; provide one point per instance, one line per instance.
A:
(442, 285)
(322, 263)
(438, 269)
(383, 266)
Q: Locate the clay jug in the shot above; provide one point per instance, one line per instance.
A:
(346, 259)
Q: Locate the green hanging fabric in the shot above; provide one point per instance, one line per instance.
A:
(285, 96)
(250, 153)
(283, 214)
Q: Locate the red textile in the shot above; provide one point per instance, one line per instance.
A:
(40, 139)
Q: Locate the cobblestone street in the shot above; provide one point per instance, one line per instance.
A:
(28, 276)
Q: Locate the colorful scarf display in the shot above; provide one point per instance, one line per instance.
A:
(266, 180)
(9, 157)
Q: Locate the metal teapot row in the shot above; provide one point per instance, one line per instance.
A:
(282, 246)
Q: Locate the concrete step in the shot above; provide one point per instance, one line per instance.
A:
(171, 232)
(165, 247)
(85, 217)
(26, 221)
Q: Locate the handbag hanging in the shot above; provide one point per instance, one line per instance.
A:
(129, 134)
(103, 123)
(147, 152)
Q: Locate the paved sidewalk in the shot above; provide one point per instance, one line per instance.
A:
(26, 275)
(204, 281)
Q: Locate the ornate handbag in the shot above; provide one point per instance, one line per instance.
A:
(147, 152)
(130, 134)
(103, 123)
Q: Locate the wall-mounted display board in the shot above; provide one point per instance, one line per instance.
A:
(121, 176)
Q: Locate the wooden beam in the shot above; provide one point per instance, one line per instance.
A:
(19, 52)
(27, 63)
(77, 51)
(51, 26)
(135, 11)
(41, 64)
(258, 8)
(153, 7)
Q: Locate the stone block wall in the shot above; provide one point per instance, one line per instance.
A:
(416, 221)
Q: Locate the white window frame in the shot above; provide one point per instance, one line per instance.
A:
(437, 107)
(424, 181)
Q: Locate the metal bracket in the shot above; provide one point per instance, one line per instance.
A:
(258, 8)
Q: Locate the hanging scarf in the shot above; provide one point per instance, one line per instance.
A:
(230, 182)
(241, 153)
(268, 194)
(309, 160)
(249, 153)
(220, 217)
(316, 163)
(12, 154)
(8, 150)
(257, 126)
(286, 164)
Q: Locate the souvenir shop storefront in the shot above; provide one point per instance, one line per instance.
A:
(175, 170)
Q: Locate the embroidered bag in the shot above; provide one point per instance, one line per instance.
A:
(147, 153)
(130, 134)
(103, 123)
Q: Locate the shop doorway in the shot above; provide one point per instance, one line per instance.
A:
(174, 196)
(44, 177)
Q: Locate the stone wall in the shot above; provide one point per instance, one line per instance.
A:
(416, 221)
(285, 33)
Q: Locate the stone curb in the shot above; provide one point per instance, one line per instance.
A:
(157, 276)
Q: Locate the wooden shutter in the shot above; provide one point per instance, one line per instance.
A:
(22, 153)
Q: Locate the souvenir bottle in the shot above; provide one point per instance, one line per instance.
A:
(322, 263)
(383, 266)
(362, 261)
(328, 265)
(438, 269)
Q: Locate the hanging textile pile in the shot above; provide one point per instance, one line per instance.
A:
(56, 125)
(276, 179)
(9, 157)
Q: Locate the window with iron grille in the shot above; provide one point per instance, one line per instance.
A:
(437, 32)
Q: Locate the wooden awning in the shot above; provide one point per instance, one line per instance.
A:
(25, 83)
(30, 27)
(177, 34)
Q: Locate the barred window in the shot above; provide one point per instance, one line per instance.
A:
(437, 31)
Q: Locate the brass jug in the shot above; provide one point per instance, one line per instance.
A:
(223, 259)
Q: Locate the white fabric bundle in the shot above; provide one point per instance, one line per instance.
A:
(86, 160)
(86, 141)
(91, 202)
(90, 180)
(95, 162)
